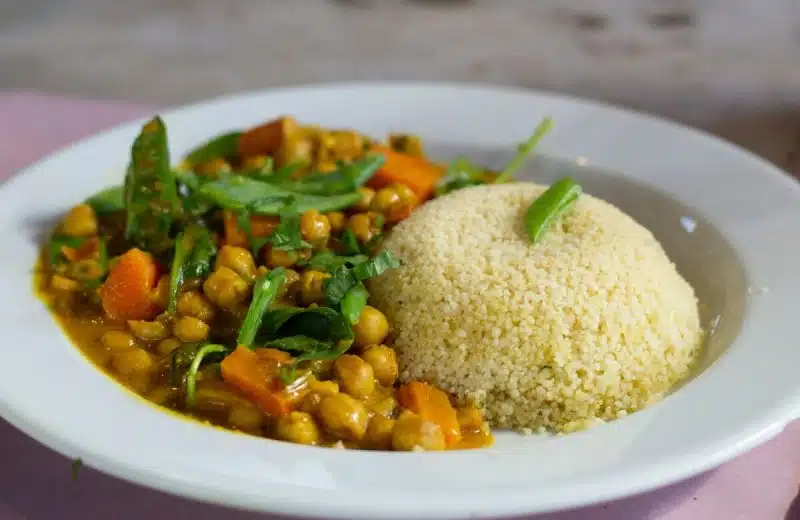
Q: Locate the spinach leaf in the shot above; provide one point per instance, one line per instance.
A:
(524, 150)
(191, 374)
(349, 243)
(224, 146)
(109, 200)
(320, 323)
(194, 253)
(303, 344)
(336, 287)
(328, 261)
(189, 189)
(238, 193)
(102, 260)
(286, 236)
(264, 293)
(151, 193)
(179, 362)
(324, 350)
(347, 178)
(354, 301)
(461, 173)
(55, 254)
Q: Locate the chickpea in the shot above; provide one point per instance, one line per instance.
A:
(81, 221)
(86, 269)
(255, 162)
(367, 194)
(348, 144)
(379, 433)
(63, 284)
(226, 288)
(148, 330)
(361, 225)
(132, 362)
(193, 303)
(161, 395)
(385, 199)
(469, 418)
(190, 330)
(322, 387)
(162, 292)
(371, 328)
(404, 193)
(354, 375)
(315, 227)
(245, 418)
(311, 402)
(295, 149)
(166, 346)
(237, 259)
(213, 167)
(291, 285)
(326, 166)
(118, 340)
(413, 432)
(311, 287)
(384, 363)
(337, 221)
(408, 144)
(278, 258)
(297, 427)
(343, 416)
(385, 406)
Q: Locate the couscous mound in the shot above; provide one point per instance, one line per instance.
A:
(591, 323)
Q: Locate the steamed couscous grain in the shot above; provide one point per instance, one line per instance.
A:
(590, 324)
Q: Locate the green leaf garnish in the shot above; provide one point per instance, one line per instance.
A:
(264, 293)
(328, 261)
(286, 236)
(354, 301)
(349, 243)
(238, 193)
(191, 374)
(109, 200)
(55, 255)
(549, 206)
(524, 150)
(194, 254)
(460, 173)
(223, 146)
(151, 192)
(336, 287)
(347, 178)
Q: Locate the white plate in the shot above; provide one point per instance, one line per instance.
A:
(747, 396)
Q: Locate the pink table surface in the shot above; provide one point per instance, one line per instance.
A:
(36, 484)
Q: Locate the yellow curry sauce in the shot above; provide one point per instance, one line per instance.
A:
(252, 315)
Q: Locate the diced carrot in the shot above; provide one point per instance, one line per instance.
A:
(127, 293)
(82, 252)
(417, 173)
(260, 226)
(433, 405)
(258, 380)
(267, 138)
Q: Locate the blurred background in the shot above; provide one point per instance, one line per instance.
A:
(732, 66)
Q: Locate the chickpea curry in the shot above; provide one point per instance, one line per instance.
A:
(230, 288)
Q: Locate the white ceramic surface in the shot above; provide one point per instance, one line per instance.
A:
(51, 392)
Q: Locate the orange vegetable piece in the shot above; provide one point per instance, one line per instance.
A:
(260, 225)
(256, 376)
(433, 405)
(415, 172)
(129, 291)
(265, 139)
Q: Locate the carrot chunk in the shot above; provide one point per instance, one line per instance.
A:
(433, 405)
(255, 374)
(415, 172)
(128, 292)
